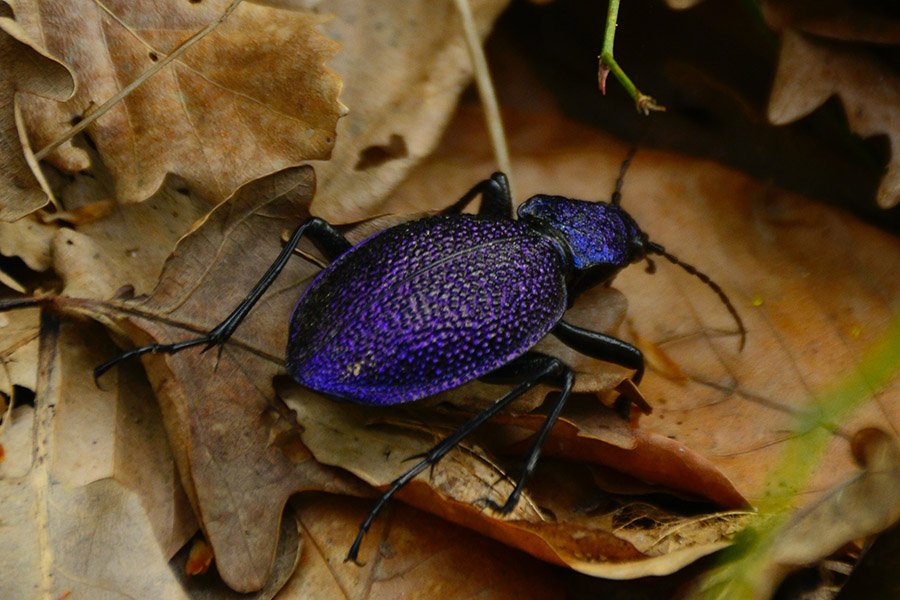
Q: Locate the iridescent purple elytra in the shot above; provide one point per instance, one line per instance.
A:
(429, 305)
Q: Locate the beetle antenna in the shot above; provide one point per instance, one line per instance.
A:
(657, 249)
(616, 199)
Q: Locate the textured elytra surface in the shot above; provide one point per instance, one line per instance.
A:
(424, 307)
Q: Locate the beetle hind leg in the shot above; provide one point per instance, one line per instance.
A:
(323, 235)
(551, 370)
(496, 201)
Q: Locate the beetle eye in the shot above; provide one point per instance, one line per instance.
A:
(638, 246)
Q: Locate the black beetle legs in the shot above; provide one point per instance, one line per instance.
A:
(550, 370)
(322, 234)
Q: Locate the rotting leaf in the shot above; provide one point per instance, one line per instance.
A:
(24, 67)
(249, 99)
(358, 439)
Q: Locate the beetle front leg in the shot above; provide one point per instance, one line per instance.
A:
(602, 347)
(606, 348)
(496, 200)
(322, 234)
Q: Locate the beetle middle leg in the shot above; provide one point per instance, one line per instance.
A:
(328, 239)
(496, 200)
(550, 370)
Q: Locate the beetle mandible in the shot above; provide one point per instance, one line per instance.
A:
(434, 303)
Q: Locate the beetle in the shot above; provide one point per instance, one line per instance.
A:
(431, 304)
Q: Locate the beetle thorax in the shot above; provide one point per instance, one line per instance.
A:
(597, 233)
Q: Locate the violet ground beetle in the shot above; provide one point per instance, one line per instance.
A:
(432, 304)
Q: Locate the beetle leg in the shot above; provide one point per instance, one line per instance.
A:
(607, 348)
(323, 235)
(565, 379)
(552, 369)
(496, 200)
(602, 347)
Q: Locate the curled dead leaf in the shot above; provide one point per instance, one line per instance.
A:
(810, 71)
(24, 67)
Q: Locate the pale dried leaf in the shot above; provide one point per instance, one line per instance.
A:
(404, 65)
(24, 67)
(128, 245)
(51, 522)
(29, 239)
(19, 349)
(811, 71)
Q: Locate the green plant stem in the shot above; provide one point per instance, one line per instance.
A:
(643, 103)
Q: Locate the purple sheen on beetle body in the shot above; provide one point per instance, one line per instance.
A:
(425, 307)
(598, 233)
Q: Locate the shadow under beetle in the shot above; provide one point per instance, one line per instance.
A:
(432, 304)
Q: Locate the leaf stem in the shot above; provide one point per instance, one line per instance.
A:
(643, 103)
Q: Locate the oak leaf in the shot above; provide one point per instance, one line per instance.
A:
(24, 67)
(250, 98)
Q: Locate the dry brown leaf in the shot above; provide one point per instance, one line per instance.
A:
(404, 65)
(418, 556)
(200, 558)
(291, 544)
(238, 456)
(810, 71)
(249, 99)
(54, 509)
(863, 505)
(126, 247)
(652, 458)
(358, 439)
(24, 67)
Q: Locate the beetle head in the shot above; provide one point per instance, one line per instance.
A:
(599, 234)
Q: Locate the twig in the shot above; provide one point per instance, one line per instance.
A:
(486, 90)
